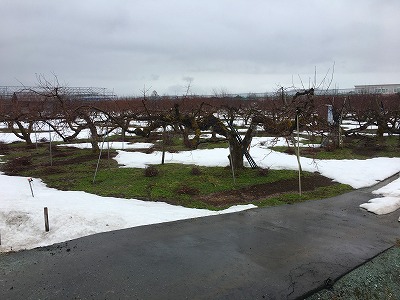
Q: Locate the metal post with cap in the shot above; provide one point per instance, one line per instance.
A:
(30, 185)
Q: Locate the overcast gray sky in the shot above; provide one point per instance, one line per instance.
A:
(237, 46)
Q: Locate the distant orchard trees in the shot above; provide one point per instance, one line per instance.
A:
(190, 116)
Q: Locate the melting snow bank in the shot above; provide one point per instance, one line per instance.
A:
(356, 172)
(387, 204)
(381, 206)
(75, 214)
(111, 145)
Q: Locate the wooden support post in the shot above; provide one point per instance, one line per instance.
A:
(46, 219)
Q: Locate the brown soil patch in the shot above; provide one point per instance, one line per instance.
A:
(263, 191)
(369, 151)
(4, 148)
(16, 165)
(19, 164)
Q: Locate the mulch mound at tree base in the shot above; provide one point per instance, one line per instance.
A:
(263, 191)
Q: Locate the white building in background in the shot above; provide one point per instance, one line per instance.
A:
(377, 89)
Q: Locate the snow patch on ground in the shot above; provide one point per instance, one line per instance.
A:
(392, 189)
(111, 145)
(390, 201)
(381, 206)
(207, 157)
(357, 173)
(75, 214)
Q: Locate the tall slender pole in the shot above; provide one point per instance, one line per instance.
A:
(231, 159)
(163, 145)
(51, 154)
(108, 143)
(35, 130)
(298, 150)
(98, 160)
(108, 148)
(123, 139)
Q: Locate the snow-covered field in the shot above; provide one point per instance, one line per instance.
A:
(77, 214)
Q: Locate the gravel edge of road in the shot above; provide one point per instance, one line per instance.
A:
(379, 278)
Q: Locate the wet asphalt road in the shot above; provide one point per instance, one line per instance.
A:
(270, 253)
